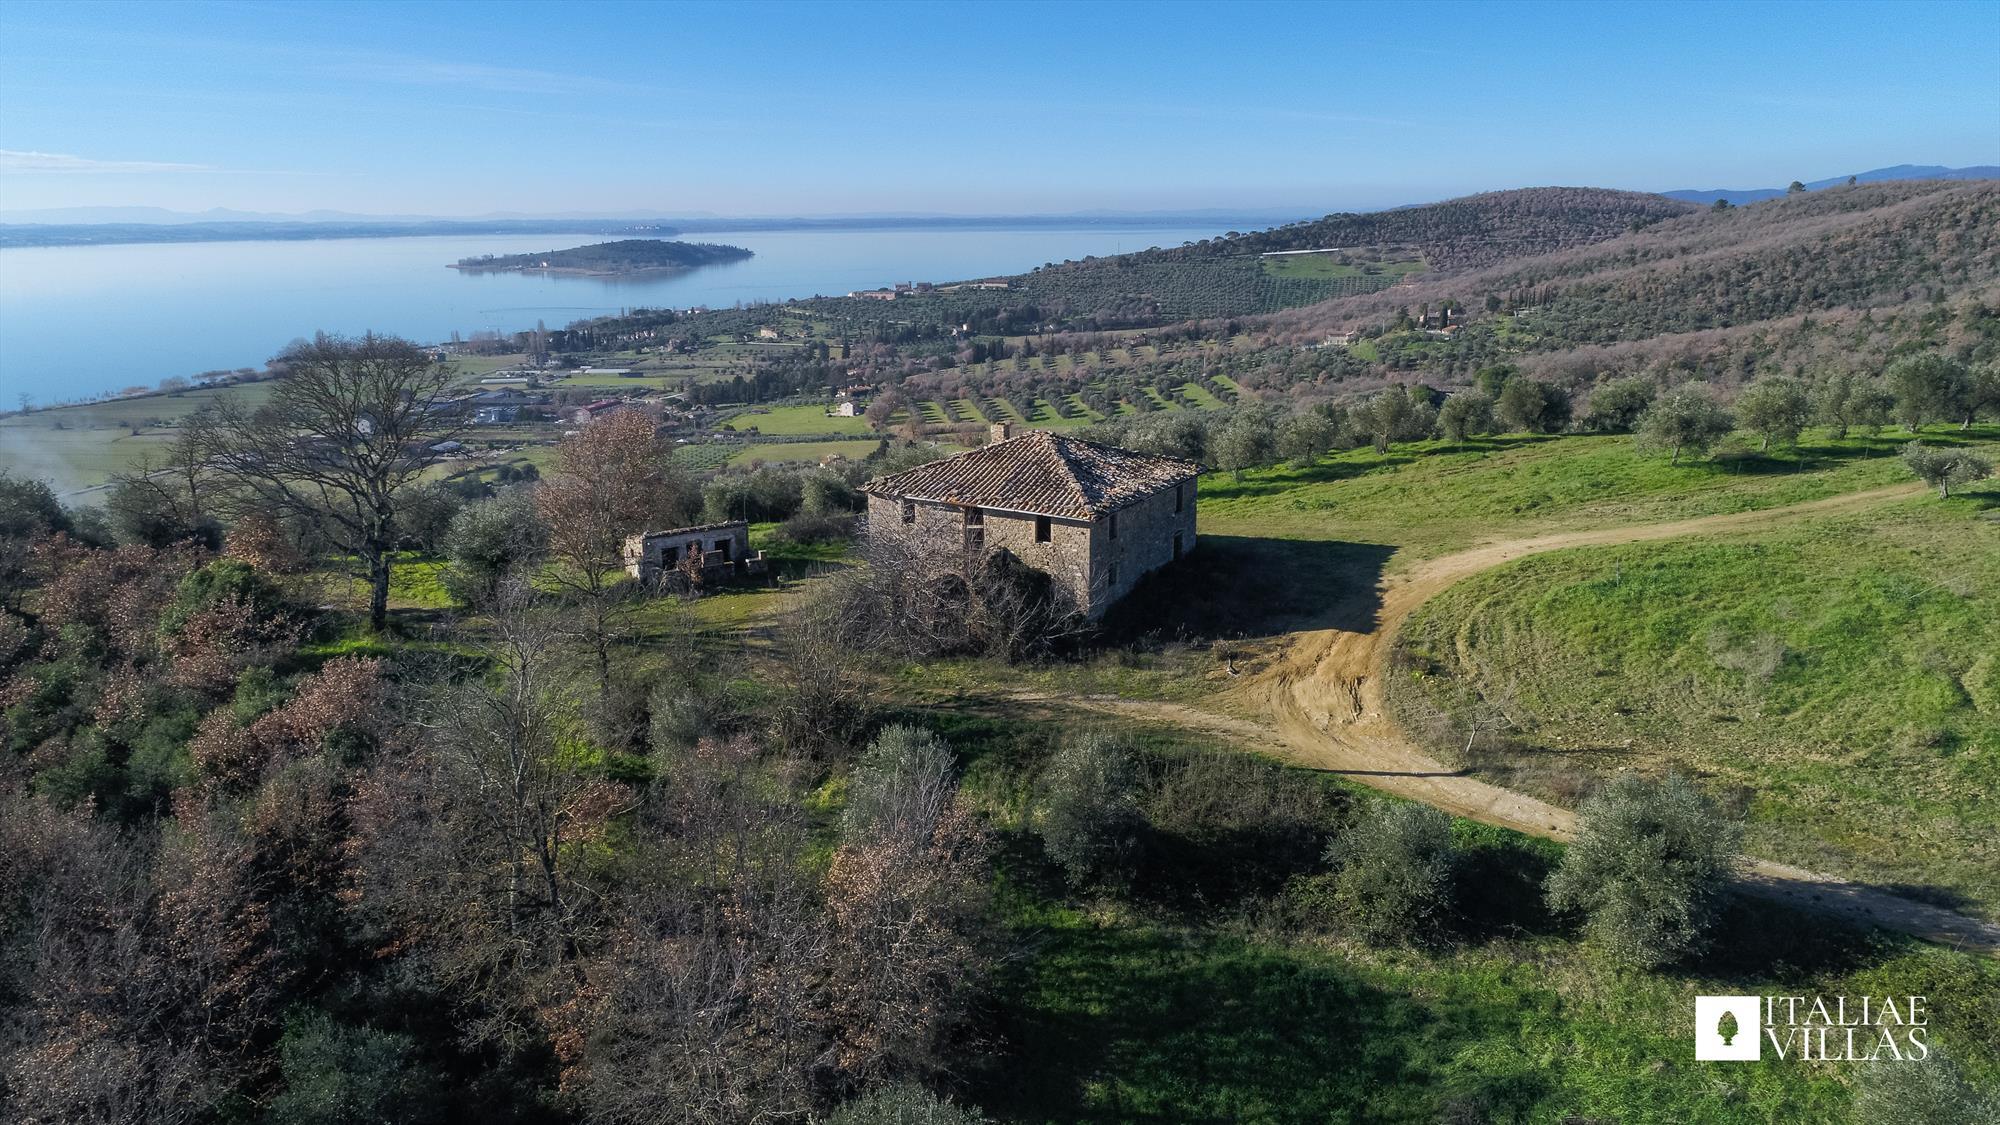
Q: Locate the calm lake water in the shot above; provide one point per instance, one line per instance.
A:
(75, 321)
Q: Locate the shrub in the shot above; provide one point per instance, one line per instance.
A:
(1087, 813)
(489, 541)
(217, 582)
(904, 1103)
(1222, 824)
(339, 1075)
(1395, 870)
(1892, 1093)
(902, 779)
(1649, 866)
(808, 528)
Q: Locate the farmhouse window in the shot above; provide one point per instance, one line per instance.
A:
(1180, 498)
(723, 546)
(975, 529)
(1111, 524)
(909, 511)
(1042, 530)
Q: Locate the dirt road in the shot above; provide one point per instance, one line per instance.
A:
(1321, 703)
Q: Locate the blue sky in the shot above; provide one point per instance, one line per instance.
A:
(823, 108)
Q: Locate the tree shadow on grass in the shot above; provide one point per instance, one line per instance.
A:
(1233, 586)
(1146, 1025)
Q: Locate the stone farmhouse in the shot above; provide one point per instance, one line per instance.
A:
(1095, 518)
(711, 552)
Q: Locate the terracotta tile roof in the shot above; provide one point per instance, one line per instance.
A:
(1042, 473)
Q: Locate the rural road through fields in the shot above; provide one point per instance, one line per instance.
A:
(1322, 705)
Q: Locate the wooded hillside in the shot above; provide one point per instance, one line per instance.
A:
(1476, 230)
(614, 257)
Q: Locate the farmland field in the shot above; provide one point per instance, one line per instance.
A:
(1429, 497)
(776, 452)
(787, 421)
(1330, 266)
(1841, 676)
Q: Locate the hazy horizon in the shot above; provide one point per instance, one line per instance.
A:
(836, 109)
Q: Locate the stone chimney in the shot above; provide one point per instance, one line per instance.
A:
(999, 431)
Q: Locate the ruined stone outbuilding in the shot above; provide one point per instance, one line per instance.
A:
(1095, 518)
(707, 554)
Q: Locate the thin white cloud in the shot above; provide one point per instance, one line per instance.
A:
(404, 70)
(15, 162)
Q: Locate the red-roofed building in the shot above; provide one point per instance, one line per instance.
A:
(1095, 518)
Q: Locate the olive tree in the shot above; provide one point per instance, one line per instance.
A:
(1394, 415)
(1648, 868)
(1684, 418)
(1935, 1089)
(1979, 394)
(1394, 870)
(1305, 437)
(1846, 402)
(491, 541)
(1087, 808)
(1532, 406)
(1775, 408)
(347, 432)
(1465, 414)
(1928, 388)
(1244, 442)
(1944, 468)
(1618, 405)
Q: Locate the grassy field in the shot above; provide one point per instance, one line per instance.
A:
(787, 421)
(78, 447)
(1112, 1010)
(1427, 498)
(776, 452)
(1840, 679)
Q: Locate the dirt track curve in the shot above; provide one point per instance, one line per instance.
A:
(1322, 698)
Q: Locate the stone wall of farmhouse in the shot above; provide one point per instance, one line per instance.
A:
(1145, 543)
(1065, 557)
(1083, 557)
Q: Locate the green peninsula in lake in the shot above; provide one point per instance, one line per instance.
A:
(631, 255)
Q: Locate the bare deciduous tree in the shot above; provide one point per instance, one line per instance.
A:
(349, 426)
(475, 842)
(612, 480)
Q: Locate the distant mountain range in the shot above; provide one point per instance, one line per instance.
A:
(1896, 172)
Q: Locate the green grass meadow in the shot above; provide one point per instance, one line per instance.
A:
(1118, 1008)
(1429, 498)
(1840, 678)
(792, 421)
